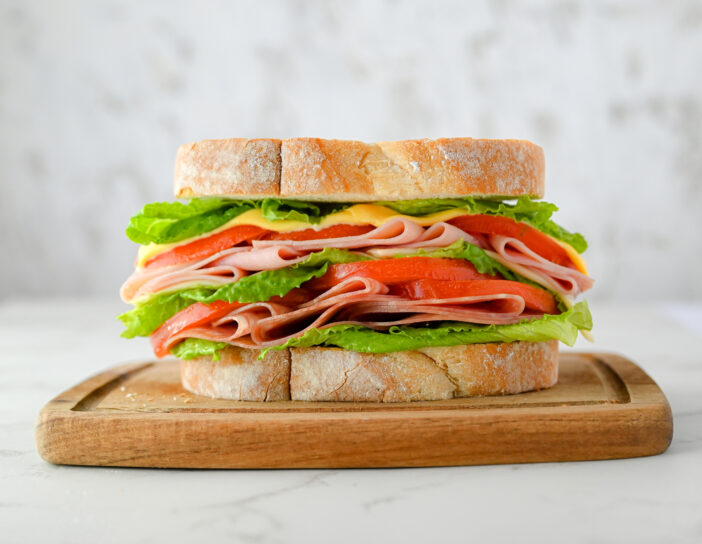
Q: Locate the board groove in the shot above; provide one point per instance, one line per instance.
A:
(93, 399)
(611, 381)
(137, 414)
(332, 409)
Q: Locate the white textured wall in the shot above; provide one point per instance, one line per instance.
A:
(95, 97)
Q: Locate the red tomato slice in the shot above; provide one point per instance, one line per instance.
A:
(534, 239)
(392, 271)
(535, 298)
(335, 231)
(204, 247)
(193, 316)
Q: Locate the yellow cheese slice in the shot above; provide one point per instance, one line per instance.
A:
(577, 259)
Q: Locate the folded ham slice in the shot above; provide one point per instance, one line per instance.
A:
(383, 311)
(346, 289)
(146, 282)
(234, 328)
(398, 231)
(437, 236)
(267, 258)
(514, 254)
(249, 327)
(229, 334)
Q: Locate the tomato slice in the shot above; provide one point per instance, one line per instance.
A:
(193, 316)
(535, 298)
(534, 239)
(393, 271)
(335, 231)
(204, 247)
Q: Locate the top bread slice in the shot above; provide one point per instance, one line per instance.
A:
(351, 171)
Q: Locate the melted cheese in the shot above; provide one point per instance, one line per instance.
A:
(359, 214)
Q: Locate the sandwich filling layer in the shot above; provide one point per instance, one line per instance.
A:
(370, 277)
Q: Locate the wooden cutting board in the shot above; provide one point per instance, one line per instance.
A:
(138, 415)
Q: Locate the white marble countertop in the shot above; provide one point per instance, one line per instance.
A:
(45, 347)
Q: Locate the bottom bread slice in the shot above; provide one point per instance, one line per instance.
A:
(331, 374)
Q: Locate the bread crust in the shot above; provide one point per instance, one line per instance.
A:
(237, 167)
(447, 167)
(239, 375)
(332, 374)
(352, 171)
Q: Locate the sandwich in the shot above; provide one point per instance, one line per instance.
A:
(328, 270)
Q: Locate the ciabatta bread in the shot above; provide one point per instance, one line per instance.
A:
(331, 374)
(350, 171)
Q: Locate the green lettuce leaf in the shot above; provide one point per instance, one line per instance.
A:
(275, 209)
(148, 315)
(197, 347)
(563, 327)
(168, 222)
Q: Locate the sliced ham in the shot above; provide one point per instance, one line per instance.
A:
(267, 258)
(398, 231)
(146, 282)
(234, 328)
(442, 235)
(483, 309)
(367, 311)
(437, 236)
(354, 286)
(237, 327)
(258, 326)
(212, 277)
(354, 301)
(228, 334)
(561, 279)
(253, 312)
